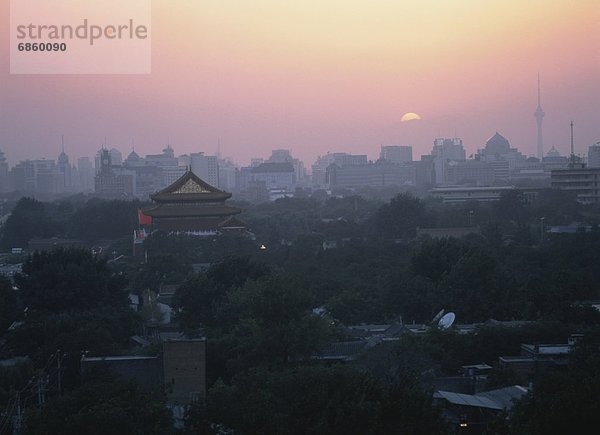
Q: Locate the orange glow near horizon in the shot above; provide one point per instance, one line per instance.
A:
(318, 76)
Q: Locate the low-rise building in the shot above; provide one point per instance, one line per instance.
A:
(459, 194)
(581, 180)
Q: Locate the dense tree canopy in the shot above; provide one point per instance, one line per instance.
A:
(102, 406)
(74, 302)
(355, 260)
(8, 304)
(564, 401)
(28, 219)
(320, 400)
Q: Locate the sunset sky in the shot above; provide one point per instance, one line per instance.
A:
(316, 76)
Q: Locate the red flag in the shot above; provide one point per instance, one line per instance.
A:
(143, 219)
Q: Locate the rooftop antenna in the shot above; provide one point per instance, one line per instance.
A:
(63, 142)
(218, 148)
(572, 147)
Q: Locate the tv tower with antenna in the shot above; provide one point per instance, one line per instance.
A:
(539, 118)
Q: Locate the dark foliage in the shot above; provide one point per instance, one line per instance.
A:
(74, 303)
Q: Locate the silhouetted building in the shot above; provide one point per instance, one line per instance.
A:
(111, 182)
(319, 168)
(498, 153)
(206, 167)
(583, 182)
(85, 173)
(64, 168)
(472, 172)
(459, 194)
(146, 371)
(445, 151)
(425, 172)
(184, 368)
(278, 176)
(192, 206)
(396, 153)
(378, 174)
(285, 156)
(22, 177)
(4, 183)
(594, 155)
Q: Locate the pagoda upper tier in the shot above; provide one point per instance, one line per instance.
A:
(192, 205)
(190, 188)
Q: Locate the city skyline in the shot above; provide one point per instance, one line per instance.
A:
(315, 78)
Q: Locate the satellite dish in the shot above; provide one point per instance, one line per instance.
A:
(447, 321)
(438, 316)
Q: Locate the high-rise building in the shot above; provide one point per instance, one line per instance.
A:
(377, 175)
(85, 172)
(498, 153)
(22, 177)
(4, 184)
(114, 181)
(446, 150)
(539, 117)
(116, 158)
(205, 167)
(319, 168)
(276, 176)
(166, 158)
(594, 155)
(65, 171)
(228, 175)
(396, 153)
(285, 156)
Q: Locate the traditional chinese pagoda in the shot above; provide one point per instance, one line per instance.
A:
(191, 205)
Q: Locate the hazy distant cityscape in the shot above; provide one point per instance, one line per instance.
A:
(113, 174)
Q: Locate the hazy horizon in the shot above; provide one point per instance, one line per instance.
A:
(317, 77)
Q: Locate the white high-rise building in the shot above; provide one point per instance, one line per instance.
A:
(594, 155)
(205, 167)
(445, 151)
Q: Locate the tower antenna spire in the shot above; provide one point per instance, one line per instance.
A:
(539, 118)
(572, 146)
(539, 93)
(62, 138)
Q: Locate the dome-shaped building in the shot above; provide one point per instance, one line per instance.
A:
(497, 145)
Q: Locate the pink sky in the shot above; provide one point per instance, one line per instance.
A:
(316, 76)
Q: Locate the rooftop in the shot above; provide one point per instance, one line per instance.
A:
(190, 188)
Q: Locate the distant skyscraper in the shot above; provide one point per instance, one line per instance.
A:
(396, 153)
(3, 173)
(85, 170)
(539, 117)
(65, 169)
(594, 155)
(205, 167)
(446, 150)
